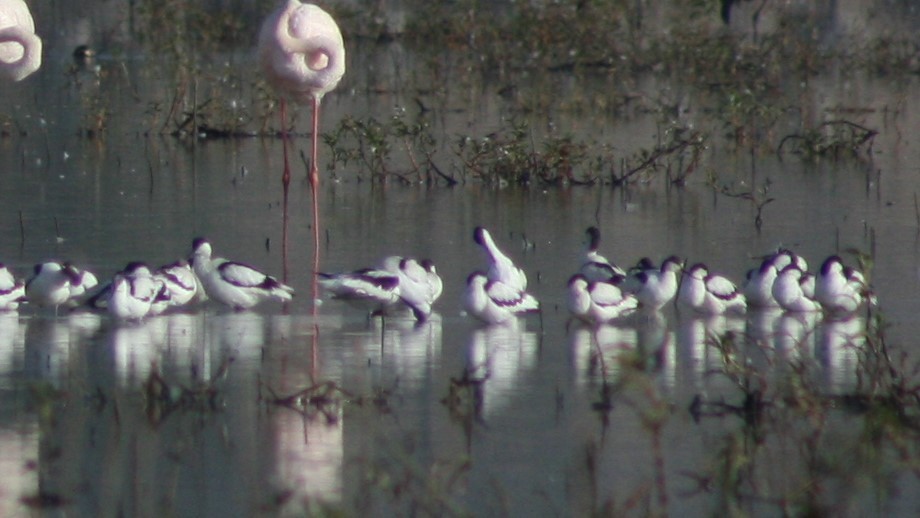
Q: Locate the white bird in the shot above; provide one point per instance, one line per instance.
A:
(371, 289)
(758, 286)
(87, 281)
(598, 302)
(840, 289)
(53, 283)
(180, 282)
(709, 293)
(794, 290)
(654, 287)
(596, 267)
(419, 283)
(234, 284)
(20, 48)
(501, 268)
(495, 302)
(12, 291)
(132, 293)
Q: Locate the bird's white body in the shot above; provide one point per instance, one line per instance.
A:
(85, 284)
(709, 293)
(419, 283)
(162, 298)
(12, 291)
(840, 289)
(655, 287)
(758, 288)
(234, 284)
(597, 302)
(794, 290)
(301, 51)
(370, 289)
(53, 284)
(20, 48)
(132, 293)
(495, 302)
(180, 282)
(596, 267)
(501, 268)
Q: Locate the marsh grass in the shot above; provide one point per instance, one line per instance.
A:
(748, 83)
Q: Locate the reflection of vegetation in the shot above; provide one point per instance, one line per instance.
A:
(831, 139)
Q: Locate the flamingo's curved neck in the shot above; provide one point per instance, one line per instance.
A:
(21, 52)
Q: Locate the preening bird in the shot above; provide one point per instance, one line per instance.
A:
(20, 48)
(302, 55)
(501, 268)
(234, 284)
(371, 289)
(595, 266)
(419, 283)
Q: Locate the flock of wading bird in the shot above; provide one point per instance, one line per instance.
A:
(301, 53)
(600, 292)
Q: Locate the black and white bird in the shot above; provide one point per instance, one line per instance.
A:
(501, 268)
(794, 290)
(654, 287)
(12, 291)
(132, 293)
(180, 283)
(54, 284)
(597, 302)
(709, 293)
(841, 289)
(494, 302)
(758, 286)
(419, 283)
(232, 283)
(596, 267)
(371, 289)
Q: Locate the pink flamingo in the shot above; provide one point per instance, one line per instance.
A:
(20, 48)
(303, 57)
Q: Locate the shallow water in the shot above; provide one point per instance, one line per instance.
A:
(450, 416)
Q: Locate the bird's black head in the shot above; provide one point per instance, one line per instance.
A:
(594, 237)
(479, 236)
(198, 241)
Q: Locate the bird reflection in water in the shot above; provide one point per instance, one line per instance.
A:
(309, 455)
(596, 351)
(703, 342)
(838, 352)
(498, 357)
(49, 342)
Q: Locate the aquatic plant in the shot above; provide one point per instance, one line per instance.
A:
(834, 139)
